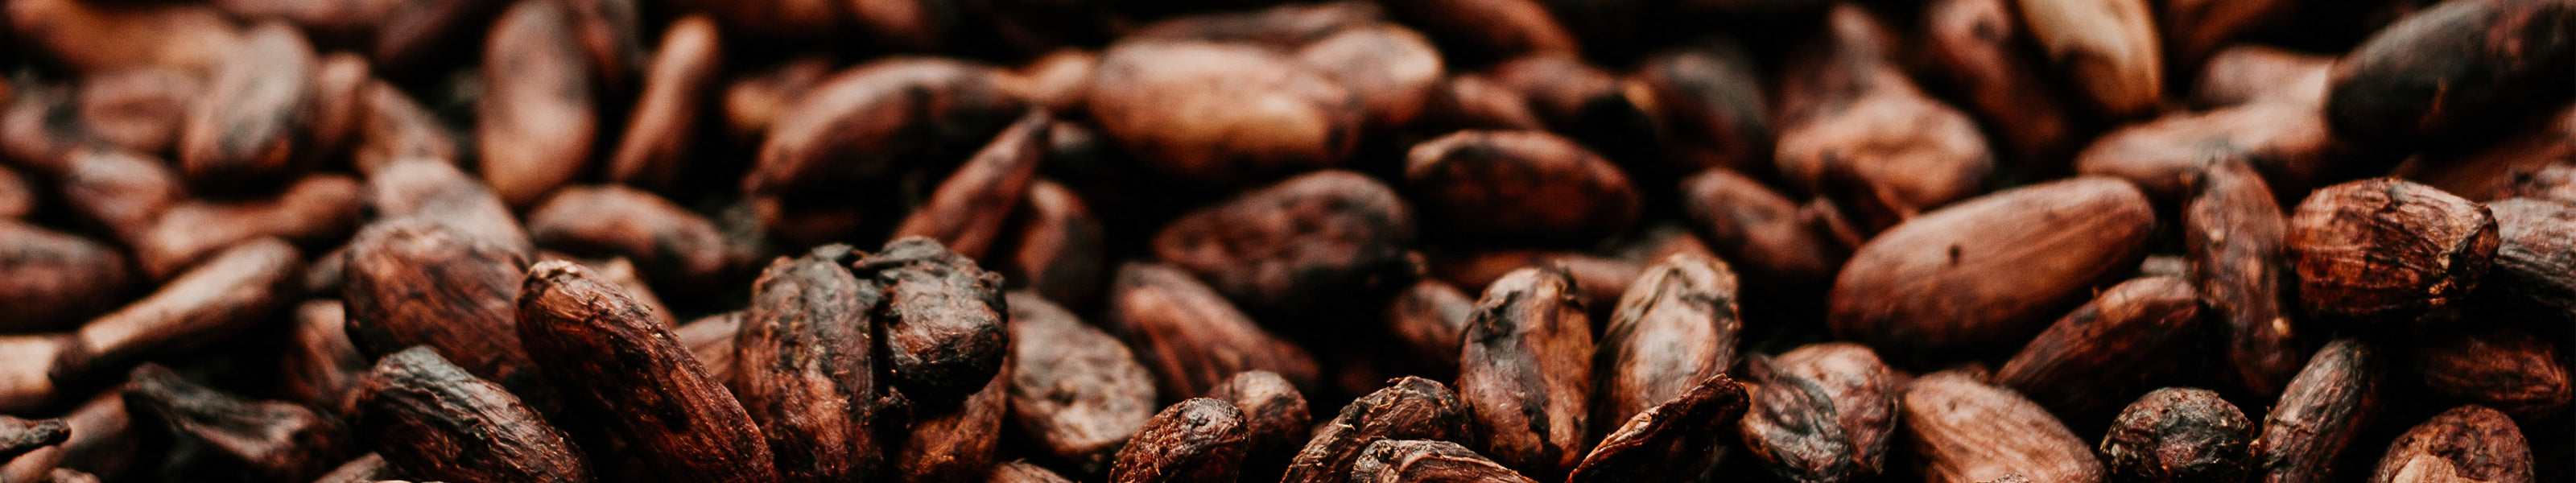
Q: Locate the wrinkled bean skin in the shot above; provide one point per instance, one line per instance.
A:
(1077, 389)
(1526, 371)
(2179, 434)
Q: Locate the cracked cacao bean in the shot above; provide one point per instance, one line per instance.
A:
(19, 436)
(2179, 434)
(2464, 444)
(943, 319)
(1822, 413)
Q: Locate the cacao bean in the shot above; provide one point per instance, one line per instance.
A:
(1525, 371)
(2453, 68)
(2179, 434)
(1200, 440)
(2232, 230)
(533, 129)
(2505, 369)
(1822, 413)
(656, 143)
(1297, 242)
(2382, 251)
(2468, 443)
(1409, 408)
(1176, 105)
(1675, 440)
(432, 417)
(609, 357)
(1520, 185)
(1966, 431)
(1992, 286)
(1401, 461)
(943, 319)
(1191, 338)
(2108, 349)
(2320, 414)
(971, 208)
(1076, 389)
(804, 366)
(1676, 327)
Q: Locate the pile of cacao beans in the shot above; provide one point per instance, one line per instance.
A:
(1381, 241)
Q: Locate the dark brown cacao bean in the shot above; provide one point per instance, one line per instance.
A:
(2179, 434)
(1525, 371)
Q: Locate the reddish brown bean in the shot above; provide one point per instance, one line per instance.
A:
(656, 142)
(536, 118)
